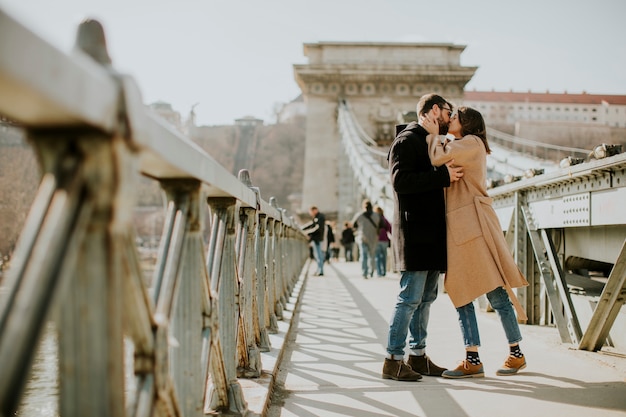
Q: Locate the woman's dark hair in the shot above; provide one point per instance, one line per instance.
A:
(472, 123)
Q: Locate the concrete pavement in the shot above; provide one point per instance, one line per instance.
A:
(330, 363)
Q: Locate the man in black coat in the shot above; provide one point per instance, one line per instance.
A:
(419, 239)
(315, 229)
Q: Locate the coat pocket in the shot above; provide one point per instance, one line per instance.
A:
(463, 224)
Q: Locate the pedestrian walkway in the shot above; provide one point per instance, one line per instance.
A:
(331, 363)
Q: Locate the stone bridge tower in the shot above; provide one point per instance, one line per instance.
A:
(380, 81)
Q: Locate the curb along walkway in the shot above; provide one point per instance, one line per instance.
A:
(331, 361)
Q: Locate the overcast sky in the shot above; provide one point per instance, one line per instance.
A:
(235, 58)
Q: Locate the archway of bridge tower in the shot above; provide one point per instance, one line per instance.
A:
(381, 82)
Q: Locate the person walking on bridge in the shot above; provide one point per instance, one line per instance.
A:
(479, 260)
(347, 240)
(367, 224)
(418, 240)
(383, 243)
(316, 229)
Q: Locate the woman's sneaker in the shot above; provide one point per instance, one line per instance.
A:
(512, 365)
(465, 370)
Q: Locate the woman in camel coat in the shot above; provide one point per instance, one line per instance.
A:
(479, 260)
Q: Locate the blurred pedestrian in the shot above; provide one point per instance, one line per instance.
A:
(366, 224)
(347, 241)
(316, 229)
(383, 243)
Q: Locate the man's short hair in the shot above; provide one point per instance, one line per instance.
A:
(427, 101)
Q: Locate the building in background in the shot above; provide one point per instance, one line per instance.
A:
(565, 119)
(292, 110)
(508, 108)
(167, 112)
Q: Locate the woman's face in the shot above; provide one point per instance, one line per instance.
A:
(454, 127)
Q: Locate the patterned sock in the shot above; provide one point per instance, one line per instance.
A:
(516, 351)
(472, 357)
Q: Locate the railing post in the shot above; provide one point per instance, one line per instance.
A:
(262, 287)
(274, 313)
(529, 296)
(250, 362)
(189, 295)
(91, 334)
(224, 279)
(279, 301)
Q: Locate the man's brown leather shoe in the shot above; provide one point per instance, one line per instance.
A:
(424, 365)
(399, 371)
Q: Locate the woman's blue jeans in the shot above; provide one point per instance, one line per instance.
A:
(500, 301)
(418, 290)
(381, 258)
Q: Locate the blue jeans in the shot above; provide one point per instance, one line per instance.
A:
(500, 301)
(381, 258)
(319, 256)
(367, 260)
(418, 290)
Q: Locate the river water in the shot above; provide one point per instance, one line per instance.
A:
(41, 394)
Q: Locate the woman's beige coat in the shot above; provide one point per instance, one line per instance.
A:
(479, 259)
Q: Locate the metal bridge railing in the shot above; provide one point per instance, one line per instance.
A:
(371, 177)
(573, 212)
(545, 151)
(202, 323)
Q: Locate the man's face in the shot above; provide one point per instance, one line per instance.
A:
(444, 118)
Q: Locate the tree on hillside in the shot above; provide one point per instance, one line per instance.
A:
(19, 179)
(279, 161)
